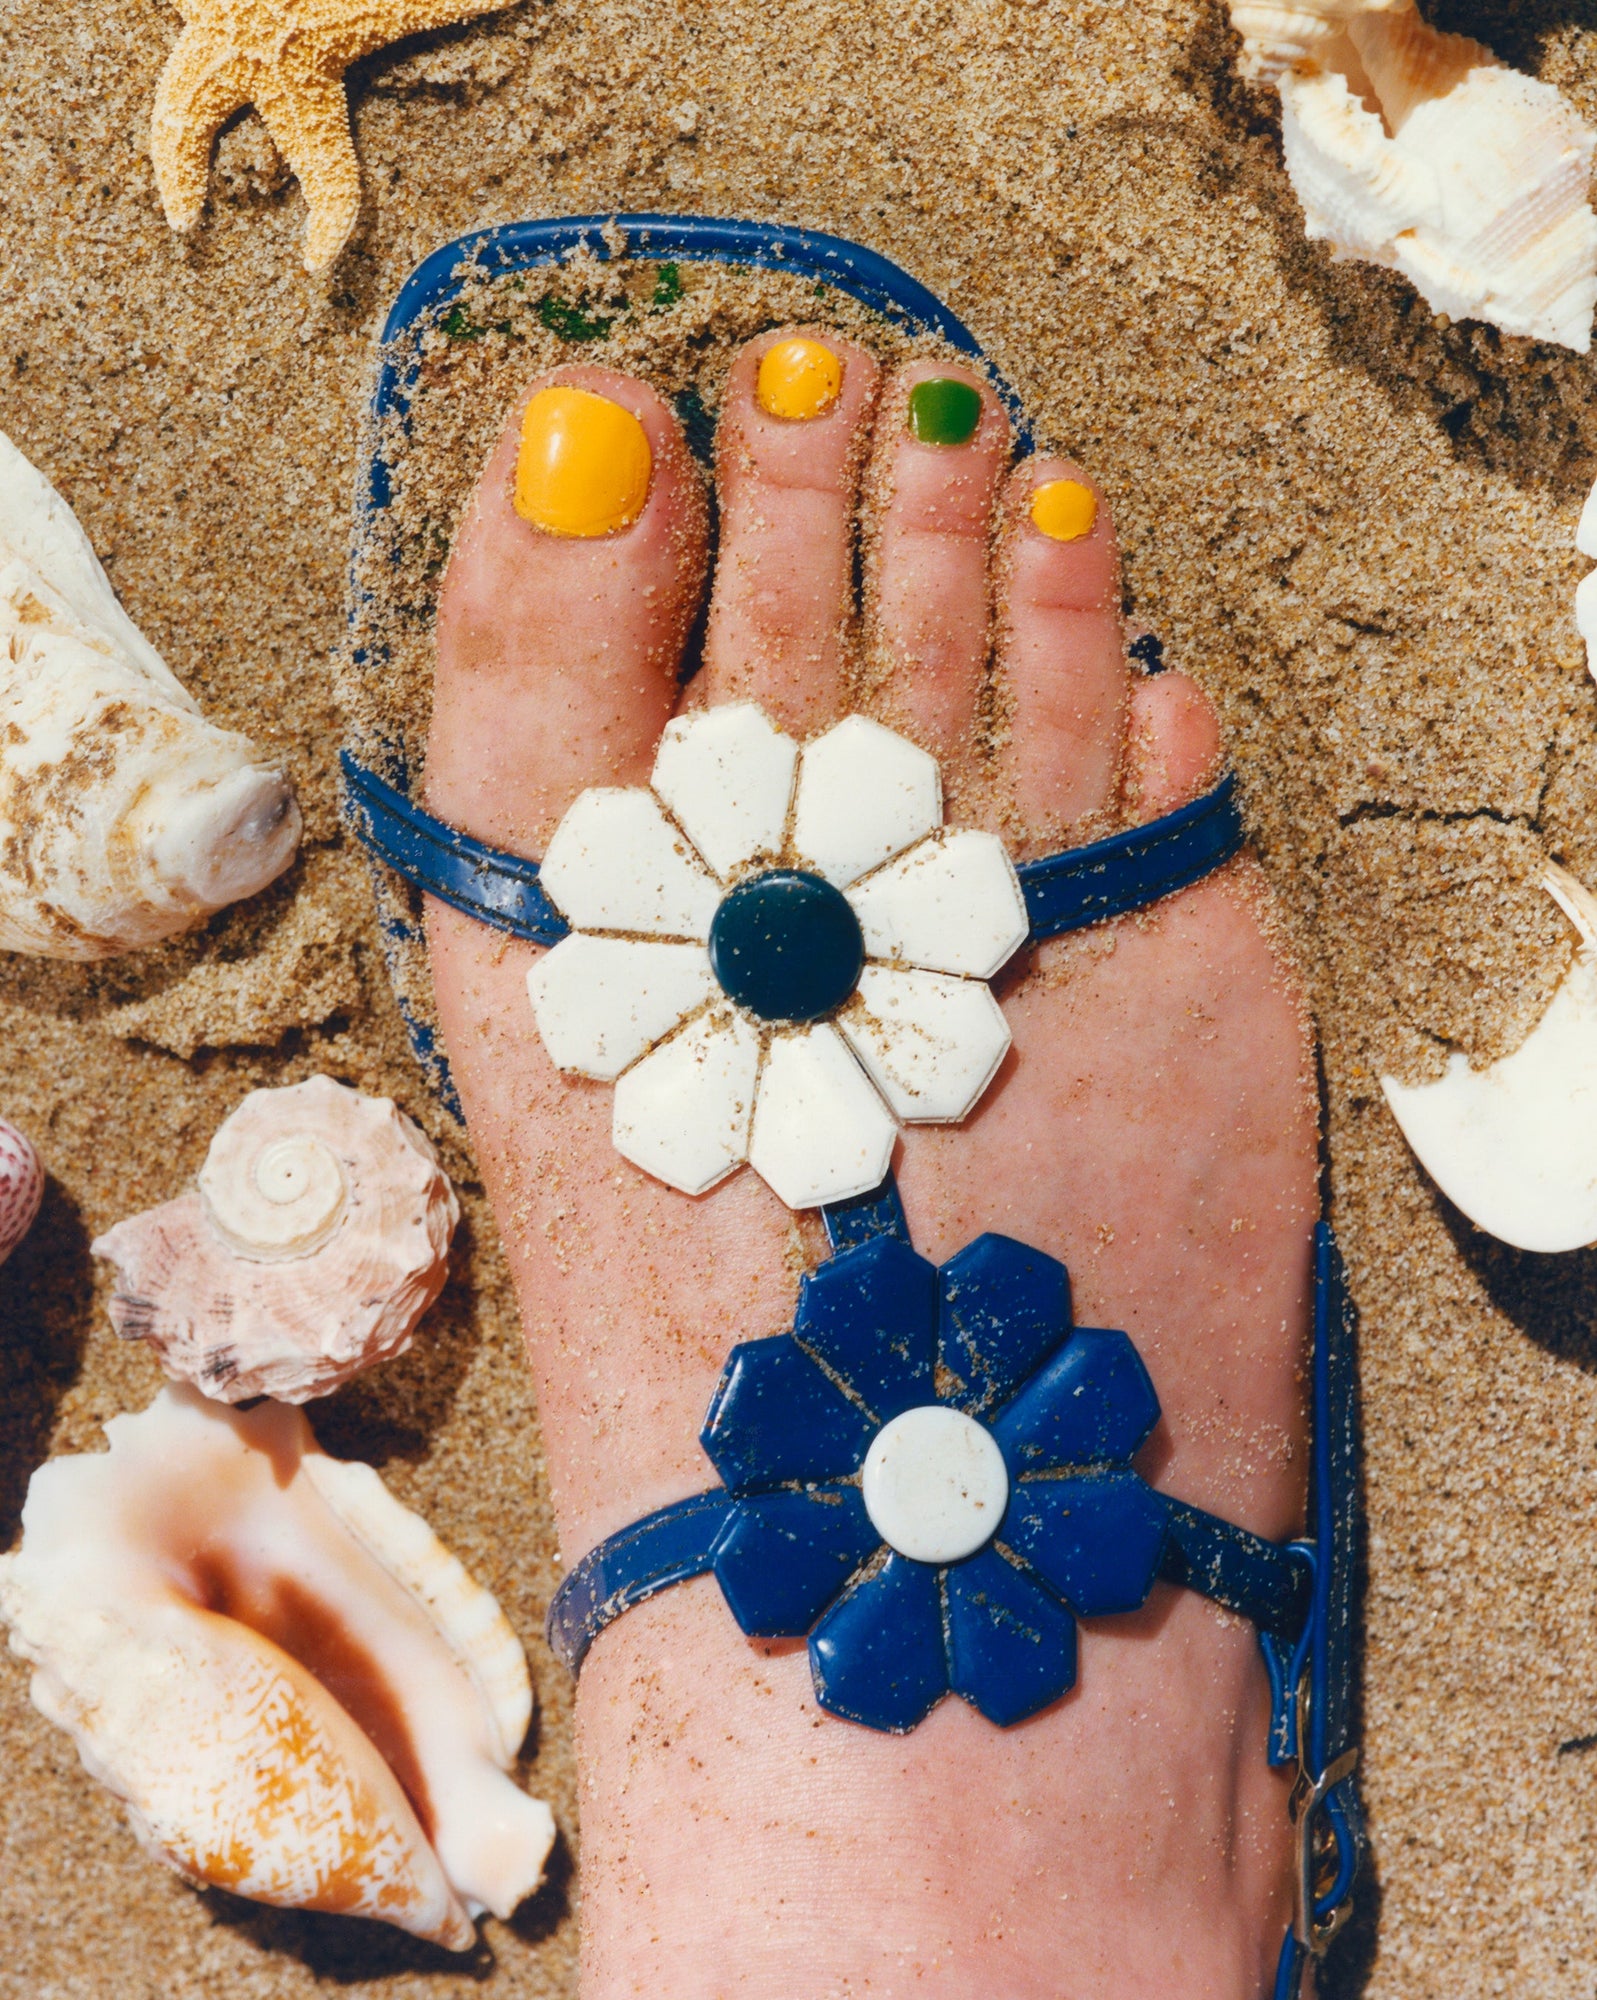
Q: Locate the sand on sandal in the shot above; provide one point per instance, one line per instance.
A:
(1352, 522)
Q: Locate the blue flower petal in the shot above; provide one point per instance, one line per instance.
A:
(783, 1557)
(775, 1417)
(871, 1315)
(877, 1657)
(1005, 1308)
(1011, 1647)
(1091, 1403)
(1096, 1539)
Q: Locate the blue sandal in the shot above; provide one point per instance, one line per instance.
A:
(822, 1526)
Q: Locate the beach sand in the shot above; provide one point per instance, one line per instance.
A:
(1353, 523)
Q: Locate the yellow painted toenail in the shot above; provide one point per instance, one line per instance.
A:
(584, 464)
(799, 379)
(1064, 510)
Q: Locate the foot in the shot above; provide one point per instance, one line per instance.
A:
(1154, 1127)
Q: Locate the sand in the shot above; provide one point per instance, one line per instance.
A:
(1353, 523)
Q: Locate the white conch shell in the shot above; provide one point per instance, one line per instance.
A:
(1278, 35)
(1515, 1145)
(1421, 151)
(124, 815)
(298, 1693)
(317, 1238)
(21, 1187)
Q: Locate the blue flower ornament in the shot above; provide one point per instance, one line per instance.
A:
(930, 1478)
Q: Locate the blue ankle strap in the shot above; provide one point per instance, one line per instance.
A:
(1066, 892)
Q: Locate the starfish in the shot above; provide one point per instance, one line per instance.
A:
(287, 58)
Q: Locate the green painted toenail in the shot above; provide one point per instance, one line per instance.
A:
(944, 411)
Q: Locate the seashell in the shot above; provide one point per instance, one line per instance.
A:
(295, 1690)
(316, 1239)
(1278, 35)
(21, 1187)
(1421, 152)
(1514, 1145)
(125, 816)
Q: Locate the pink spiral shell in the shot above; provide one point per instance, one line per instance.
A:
(21, 1188)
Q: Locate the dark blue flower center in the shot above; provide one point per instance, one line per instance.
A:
(786, 946)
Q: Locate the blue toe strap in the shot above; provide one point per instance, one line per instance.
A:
(1066, 892)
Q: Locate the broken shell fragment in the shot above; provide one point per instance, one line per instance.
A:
(1514, 1145)
(1420, 151)
(125, 817)
(1586, 590)
(296, 1691)
(316, 1239)
(21, 1187)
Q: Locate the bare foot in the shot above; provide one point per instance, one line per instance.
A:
(1154, 1127)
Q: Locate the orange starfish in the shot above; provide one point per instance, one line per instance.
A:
(287, 58)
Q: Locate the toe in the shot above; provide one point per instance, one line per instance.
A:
(1174, 746)
(570, 591)
(789, 447)
(942, 442)
(1062, 670)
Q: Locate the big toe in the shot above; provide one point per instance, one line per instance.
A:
(570, 592)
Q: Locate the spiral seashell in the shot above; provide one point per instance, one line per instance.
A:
(1420, 151)
(295, 1690)
(317, 1237)
(21, 1187)
(125, 816)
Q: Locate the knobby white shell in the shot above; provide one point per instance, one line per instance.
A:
(21, 1187)
(296, 1691)
(125, 816)
(318, 1236)
(1421, 151)
(1515, 1145)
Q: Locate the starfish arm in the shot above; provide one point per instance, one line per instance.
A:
(307, 115)
(204, 83)
(355, 28)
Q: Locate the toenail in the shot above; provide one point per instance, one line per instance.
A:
(799, 379)
(944, 411)
(584, 464)
(1064, 509)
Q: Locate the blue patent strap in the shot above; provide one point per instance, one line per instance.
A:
(1265, 1582)
(1066, 892)
(856, 1221)
(666, 1547)
(1132, 870)
(494, 887)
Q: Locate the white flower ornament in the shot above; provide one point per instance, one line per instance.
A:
(776, 954)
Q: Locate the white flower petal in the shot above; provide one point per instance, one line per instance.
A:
(951, 904)
(727, 774)
(682, 1114)
(600, 1002)
(821, 1133)
(932, 1044)
(616, 863)
(863, 795)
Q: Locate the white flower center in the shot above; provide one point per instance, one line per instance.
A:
(935, 1484)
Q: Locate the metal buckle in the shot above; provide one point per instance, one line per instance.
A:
(1318, 1856)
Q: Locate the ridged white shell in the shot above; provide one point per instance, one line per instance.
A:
(318, 1236)
(1420, 151)
(1278, 35)
(125, 816)
(297, 1692)
(1515, 1145)
(21, 1187)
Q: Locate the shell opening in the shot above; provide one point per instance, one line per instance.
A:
(284, 1202)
